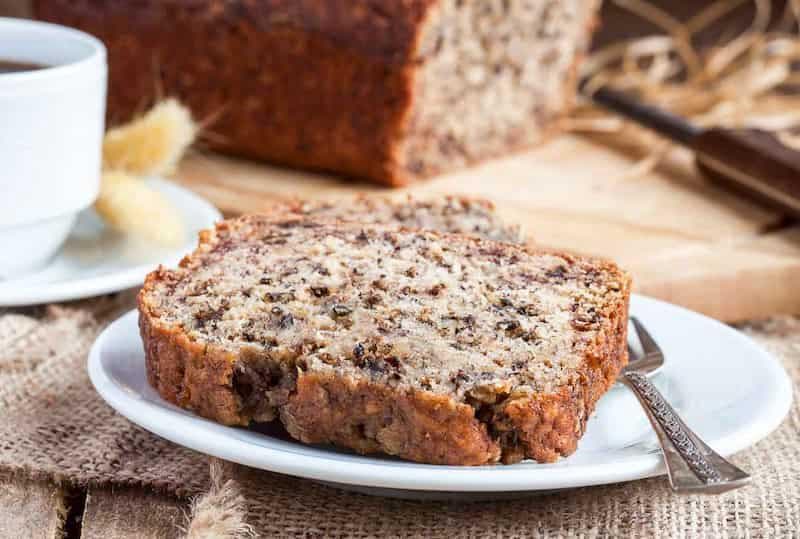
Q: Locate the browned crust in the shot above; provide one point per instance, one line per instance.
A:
(368, 417)
(188, 374)
(326, 86)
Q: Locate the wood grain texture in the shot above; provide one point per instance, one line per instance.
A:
(684, 239)
(31, 509)
(129, 513)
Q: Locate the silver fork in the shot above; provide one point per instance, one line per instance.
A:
(692, 466)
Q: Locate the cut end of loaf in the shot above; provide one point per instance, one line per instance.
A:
(494, 76)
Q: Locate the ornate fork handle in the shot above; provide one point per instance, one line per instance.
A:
(692, 466)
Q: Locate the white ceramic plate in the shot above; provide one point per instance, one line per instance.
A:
(727, 388)
(96, 260)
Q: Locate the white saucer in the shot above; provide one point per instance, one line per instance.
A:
(96, 260)
(727, 388)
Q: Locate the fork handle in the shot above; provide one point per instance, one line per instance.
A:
(692, 466)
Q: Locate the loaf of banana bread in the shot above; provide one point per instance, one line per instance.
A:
(391, 91)
(437, 348)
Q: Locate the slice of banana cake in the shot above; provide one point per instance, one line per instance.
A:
(437, 348)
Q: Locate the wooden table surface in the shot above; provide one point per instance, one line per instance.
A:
(41, 509)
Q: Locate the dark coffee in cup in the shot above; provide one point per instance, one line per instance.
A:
(13, 66)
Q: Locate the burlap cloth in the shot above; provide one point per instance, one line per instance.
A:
(54, 425)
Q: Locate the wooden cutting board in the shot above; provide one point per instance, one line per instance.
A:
(683, 239)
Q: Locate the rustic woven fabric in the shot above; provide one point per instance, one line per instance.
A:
(54, 425)
(53, 422)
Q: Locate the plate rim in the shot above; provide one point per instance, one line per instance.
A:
(113, 282)
(407, 475)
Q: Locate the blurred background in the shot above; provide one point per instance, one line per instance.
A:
(618, 22)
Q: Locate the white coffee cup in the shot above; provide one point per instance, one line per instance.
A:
(51, 129)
